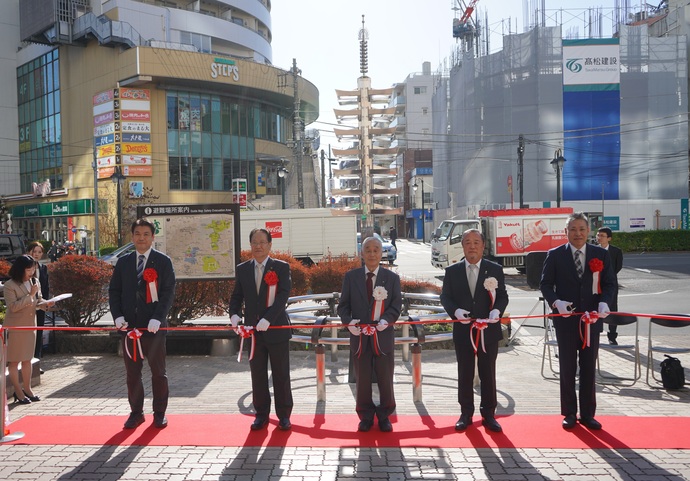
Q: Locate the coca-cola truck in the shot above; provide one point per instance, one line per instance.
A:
(510, 235)
(308, 234)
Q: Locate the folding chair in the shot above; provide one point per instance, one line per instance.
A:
(622, 320)
(672, 323)
(549, 344)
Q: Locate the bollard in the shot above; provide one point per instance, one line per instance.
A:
(416, 373)
(405, 347)
(9, 437)
(320, 373)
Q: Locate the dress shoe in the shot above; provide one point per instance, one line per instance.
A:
(463, 423)
(259, 423)
(33, 397)
(365, 425)
(492, 425)
(284, 424)
(159, 420)
(134, 420)
(24, 400)
(385, 425)
(591, 423)
(569, 421)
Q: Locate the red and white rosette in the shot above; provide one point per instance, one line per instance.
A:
(586, 320)
(491, 284)
(477, 337)
(244, 332)
(151, 277)
(369, 330)
(135, 336)
(596, 266)
(271, 280)
(380, 294)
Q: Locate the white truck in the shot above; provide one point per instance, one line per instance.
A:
(510, 235)
(308, 234)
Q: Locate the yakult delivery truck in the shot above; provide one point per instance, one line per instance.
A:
(510, 235)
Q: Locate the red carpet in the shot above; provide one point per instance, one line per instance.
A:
(339, 430)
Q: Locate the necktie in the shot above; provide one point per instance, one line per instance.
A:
(370, 285)
(472, 278)
(140, 267)
(258, 275)
(578, 263)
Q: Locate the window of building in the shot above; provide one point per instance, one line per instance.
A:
(420, 90)
(40, 131)
(425, 110)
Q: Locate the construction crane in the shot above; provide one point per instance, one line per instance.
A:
(464, 28)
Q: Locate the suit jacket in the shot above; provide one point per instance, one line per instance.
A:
(559, 280)
(355, 304)
(617, 264)
(456, 294)
(244, 299)
(21, 311)
(127, 297)
(42, 275)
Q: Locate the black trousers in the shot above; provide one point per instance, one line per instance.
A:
(486, 364)
(40, 322)
(571, 354)
(154, 353)
(384, 366)
(279, 356)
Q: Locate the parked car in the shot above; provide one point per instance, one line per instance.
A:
(390, 253)
(12, 246)
(115, 255)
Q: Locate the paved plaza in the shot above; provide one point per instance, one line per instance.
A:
(94, 385)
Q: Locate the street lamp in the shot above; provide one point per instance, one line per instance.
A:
(557, 164)
(282, 172)
(414, 187)
(118, 179)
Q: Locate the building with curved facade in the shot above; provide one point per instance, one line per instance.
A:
(178, 99)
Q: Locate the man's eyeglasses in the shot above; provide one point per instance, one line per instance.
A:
(259, 243)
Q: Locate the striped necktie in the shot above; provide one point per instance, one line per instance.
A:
(140, 267)
(578, 263)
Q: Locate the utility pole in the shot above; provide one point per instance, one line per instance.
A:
(323, 178)
(298, 135)
(521, 152)
(96, 232)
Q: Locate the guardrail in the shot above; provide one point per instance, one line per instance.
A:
(326, 316)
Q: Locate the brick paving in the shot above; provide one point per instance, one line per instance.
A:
(94, 385)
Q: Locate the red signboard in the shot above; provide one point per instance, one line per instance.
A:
(275, 228)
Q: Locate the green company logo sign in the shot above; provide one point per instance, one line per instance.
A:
(574, 65)
(224, 67)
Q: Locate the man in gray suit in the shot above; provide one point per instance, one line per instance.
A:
(370, 303)
(141, 294)
(475, 289)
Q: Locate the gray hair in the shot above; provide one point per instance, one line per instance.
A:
(475, 231)
(576, 216)
(371, 239)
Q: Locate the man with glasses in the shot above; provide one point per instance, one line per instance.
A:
(261, 292)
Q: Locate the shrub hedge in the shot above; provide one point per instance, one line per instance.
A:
(652, 240)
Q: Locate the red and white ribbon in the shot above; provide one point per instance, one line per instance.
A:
(271, 295)
(245, 332)
(479, 325)
(135, 336)
(377, 310)
(152, 292)
(587, 319)
(369, 330)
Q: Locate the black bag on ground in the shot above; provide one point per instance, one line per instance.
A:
(672, 373)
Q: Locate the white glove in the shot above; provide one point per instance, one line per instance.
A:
(354, 328)
(262, 325)
(494, 314)
(153, 326)
(604, 310)
(563, 307)
(382, 325)
(120, 323)
(461, 315)
(235, 320)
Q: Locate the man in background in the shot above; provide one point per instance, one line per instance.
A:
(604, 236)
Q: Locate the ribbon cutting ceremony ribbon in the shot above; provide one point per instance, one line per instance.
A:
(479, 325)
(596, 266)
(151, 278)
(271, 280)
(135, 336)
(369, 330)
(587, 319)
(244, 332)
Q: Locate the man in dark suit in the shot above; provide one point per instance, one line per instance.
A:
(141, 293)
(262, 287)
(475, 289)
(370, 303)
(569, 283)
(604, 236)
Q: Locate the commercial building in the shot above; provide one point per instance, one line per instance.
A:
(178, 100)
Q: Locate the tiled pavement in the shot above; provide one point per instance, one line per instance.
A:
(94, 385)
